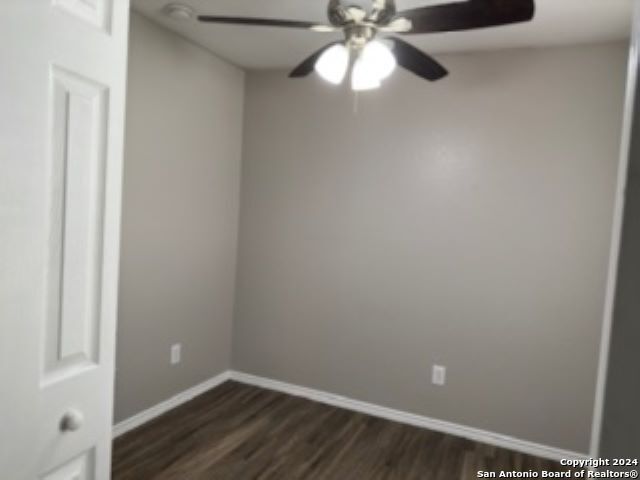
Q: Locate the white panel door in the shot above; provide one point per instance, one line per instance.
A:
(62, 82)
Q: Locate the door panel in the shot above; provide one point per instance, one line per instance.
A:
(62, 79)
(80, 468)
(94, 12)
(77, 203)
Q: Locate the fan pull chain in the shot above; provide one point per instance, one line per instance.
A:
(356, 103)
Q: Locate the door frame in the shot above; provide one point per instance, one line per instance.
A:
(632, 86)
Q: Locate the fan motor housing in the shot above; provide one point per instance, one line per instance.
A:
(359, 35)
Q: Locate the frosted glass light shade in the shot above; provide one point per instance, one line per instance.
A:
(362, 77)
(375, 63)
(379, 59)
(333, 64)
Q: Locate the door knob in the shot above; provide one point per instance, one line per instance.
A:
(71, 421)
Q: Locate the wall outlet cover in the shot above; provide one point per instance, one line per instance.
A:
(439, 375)
(176, 353)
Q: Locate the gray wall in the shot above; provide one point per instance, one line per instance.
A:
(182, 174)
(621, 421)
(464, 223)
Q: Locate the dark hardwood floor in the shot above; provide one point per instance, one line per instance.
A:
(242, 432)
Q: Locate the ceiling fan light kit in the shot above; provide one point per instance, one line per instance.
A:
(373, 63)
(373, 60)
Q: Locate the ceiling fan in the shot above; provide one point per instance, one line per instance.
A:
(374, 60)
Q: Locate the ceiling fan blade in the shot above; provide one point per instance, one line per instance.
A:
(468, 15)
(306, 67)
(416, 61)
(266, 22)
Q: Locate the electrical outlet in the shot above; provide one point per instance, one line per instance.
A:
(439, 375)
(176, 353)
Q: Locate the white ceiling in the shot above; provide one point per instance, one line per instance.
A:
(557, 22)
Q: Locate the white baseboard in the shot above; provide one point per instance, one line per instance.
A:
(475, 434)
(173, 402)
(483, 436)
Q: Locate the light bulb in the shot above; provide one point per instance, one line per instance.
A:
(333, 64)
(379, 59)
(362, 77)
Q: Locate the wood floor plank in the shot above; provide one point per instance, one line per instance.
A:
(242, 432)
